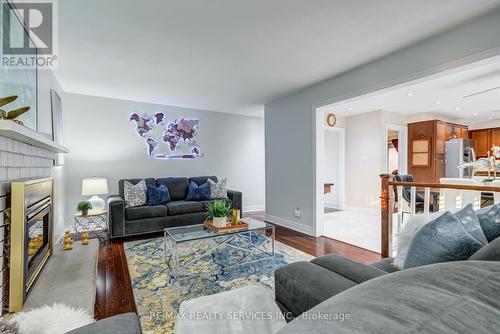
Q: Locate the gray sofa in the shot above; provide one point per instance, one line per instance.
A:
(452, 297)
(332, 294)
(141, 220)
(301, 286)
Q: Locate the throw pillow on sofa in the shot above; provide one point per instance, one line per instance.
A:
(157, 195)
(466, 216)
(135, 195)
(407, 233)
(198, 193)
(218, 189)
(470, 221)
(443, 240)
(489, 218)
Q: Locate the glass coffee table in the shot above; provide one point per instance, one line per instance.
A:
(251, 240)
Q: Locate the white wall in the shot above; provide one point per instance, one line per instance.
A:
(290, 122)
(332, 155)
(363, 159)
(103, 143)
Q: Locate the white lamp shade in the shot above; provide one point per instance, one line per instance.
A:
(94, 186)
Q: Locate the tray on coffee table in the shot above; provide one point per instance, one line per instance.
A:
(240, 226)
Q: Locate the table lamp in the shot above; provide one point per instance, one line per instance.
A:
(92, 187)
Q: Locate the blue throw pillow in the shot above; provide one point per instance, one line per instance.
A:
(445, 239)
(198, 193)
(489, 218)
(470, 222)
(157, 195)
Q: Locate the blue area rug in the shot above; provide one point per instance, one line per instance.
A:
(158, 298)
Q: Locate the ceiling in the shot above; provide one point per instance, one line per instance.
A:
(470, 94)
(233, 55)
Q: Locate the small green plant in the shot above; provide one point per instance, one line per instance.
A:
(84, 207)
(218, 209)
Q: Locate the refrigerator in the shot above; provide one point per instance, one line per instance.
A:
(458, 152)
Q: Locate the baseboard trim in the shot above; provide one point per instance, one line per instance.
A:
(332, 206)
(253, 208)
(290, 224)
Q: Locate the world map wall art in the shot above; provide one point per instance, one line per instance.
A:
(168, 140)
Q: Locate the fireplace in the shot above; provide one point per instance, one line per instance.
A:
(31, 236)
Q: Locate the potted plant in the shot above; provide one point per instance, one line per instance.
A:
(219, 212)
(84, 207)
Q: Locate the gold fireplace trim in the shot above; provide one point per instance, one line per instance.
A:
(17, 233)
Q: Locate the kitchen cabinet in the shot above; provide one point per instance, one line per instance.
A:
(484, 139)
(453, 131)
(465, 132)
(481, 142)
(495, 137)
(437, 132)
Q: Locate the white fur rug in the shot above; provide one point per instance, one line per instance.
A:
(55, 319)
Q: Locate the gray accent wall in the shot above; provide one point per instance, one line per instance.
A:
(290, 121)
(103, 142)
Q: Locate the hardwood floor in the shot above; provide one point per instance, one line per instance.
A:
(113, 286)
(114, 289)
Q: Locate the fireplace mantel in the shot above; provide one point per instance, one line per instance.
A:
(23, 134)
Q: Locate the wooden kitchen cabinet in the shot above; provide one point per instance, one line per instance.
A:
(456, 131)
(465, 132)
(495, 137)
(453, 131)
(482, 142)
(438, 132)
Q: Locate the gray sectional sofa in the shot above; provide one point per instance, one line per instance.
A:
(301, 286)
(452, 297)
(141, 220)
(332, 294)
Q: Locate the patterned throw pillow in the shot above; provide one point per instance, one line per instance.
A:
(198, 193)
(218, 190)
(157, 195)
(135, 195)
(489, 218)
(445, 239)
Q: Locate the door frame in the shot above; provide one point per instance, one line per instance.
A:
(340, 185)
(403, 148)
(319, 149)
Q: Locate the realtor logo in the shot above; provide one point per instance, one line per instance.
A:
(29, 34)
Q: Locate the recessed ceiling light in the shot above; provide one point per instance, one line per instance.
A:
(475, 114)
(350, 109)
(438, 102)
(458, 108)
(410, 94)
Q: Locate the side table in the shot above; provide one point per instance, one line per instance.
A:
(93, 222)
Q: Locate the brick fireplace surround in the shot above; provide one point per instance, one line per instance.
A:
(20, 160)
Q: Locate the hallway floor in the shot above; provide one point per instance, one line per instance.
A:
(354, 227)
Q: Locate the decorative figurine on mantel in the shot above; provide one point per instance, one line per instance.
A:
(11, 115)
(68, 241)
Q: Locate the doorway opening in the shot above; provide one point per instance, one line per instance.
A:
(334, 162)
(396, 149)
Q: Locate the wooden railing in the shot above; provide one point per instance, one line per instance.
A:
(388, 207)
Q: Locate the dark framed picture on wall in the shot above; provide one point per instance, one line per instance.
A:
(57, 123)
